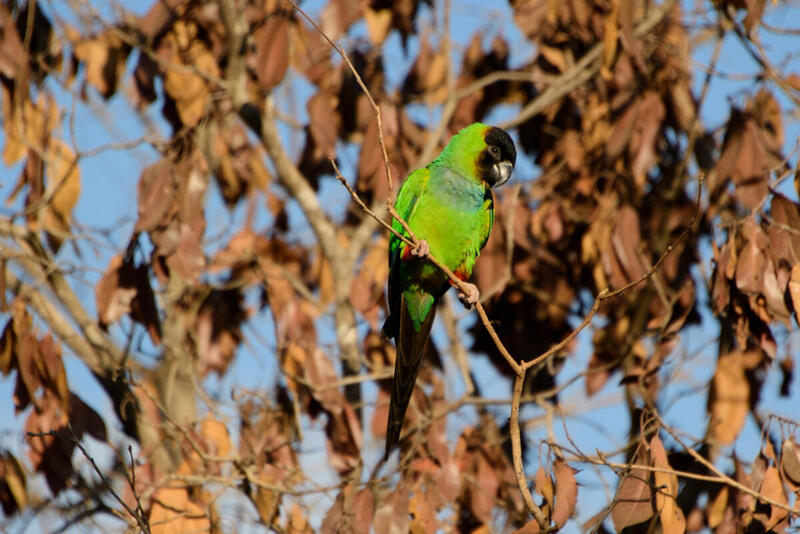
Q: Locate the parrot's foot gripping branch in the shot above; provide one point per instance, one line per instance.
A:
(421, 250)
(470, 295)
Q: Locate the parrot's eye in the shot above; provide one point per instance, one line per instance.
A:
(494, 150)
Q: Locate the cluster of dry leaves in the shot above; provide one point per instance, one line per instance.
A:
(607, 112)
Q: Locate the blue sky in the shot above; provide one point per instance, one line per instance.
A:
(108, 201)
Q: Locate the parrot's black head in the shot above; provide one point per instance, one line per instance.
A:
(497, 159)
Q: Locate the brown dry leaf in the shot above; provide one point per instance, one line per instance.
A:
(423, 519)
(111, 300)
(378, 24)
(272, 50)
(338, 15)
(50, 368)
(790, 460)
(323, 122)
(426, 77)
(787, 375)
(749, 151)
(218, 329)
(63, 178)
(49, 454)
(483, 493)
(267, 501)
(379, 417)
(7, 348)
(633, 502)
(794, 291)
(296, 522)
(637, 129)
(566, 492)
(683, 105)
(717, 507)
(13, 60)
(333, 518)
(729, 398)
(343, 439)
(695, 521)
(447, 481)
(156, 195)
(293, 361)
(645, 135)
(216, 436)
(14, 148)
(306, 54)
(174, 511)
(186, 86)
(367, 287)
(142, 91)
(772, 488)
(767, 112)
(574, 151)
(13, 492)
(27, 124)
(672, 519)
(793, 80)
(320, 375)
(362, 510)
(125, 289)
(784, 237)
(554, 56)
(773, 296)
(621, 260)
(610, 40)
(84, 419)
(751, 264)
(755, 9)
(188, 259)
(391, 515)
(28, 380)
(597, 374)
(64, 186)
(104, 57)
(543, 485)
(531, 527)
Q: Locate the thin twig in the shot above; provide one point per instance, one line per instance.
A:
(141, 521)
(375, 108)
(516, 454)
(722, 476)
(583, 71)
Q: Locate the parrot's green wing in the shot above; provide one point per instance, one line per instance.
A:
(488, 219)
(407, 202)
(410, 315)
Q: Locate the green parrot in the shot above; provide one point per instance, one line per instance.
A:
(450, 209)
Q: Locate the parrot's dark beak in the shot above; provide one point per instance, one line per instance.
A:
(501, 172)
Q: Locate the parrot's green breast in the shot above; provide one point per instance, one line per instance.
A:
(455, 217)
(452, 218)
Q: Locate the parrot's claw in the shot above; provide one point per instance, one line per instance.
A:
(470, 295)
(421, 250)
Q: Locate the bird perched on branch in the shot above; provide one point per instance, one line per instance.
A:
(449, 208)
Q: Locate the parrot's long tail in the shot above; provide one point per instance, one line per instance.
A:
(411, 345)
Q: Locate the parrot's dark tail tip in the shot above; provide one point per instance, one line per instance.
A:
(392, 439)
(389, 329)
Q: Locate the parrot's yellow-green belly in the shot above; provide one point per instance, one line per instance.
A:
(454, 234)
